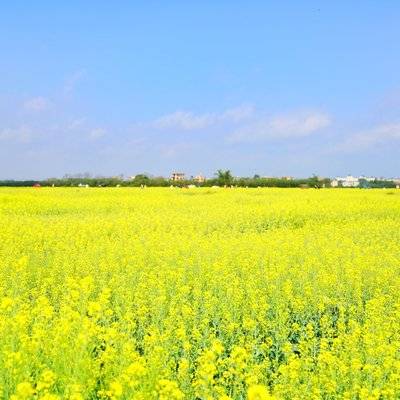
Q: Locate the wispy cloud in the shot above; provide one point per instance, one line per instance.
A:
(238, 114)
(242, 124)
(281, 126)
(20, 134)
(73, 80)
(190, 121)
(381, 134)
(97, 133)
(175, 150)
(76, 123)
(37, 104)
(183, 120)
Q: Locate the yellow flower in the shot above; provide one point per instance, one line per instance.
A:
(258, 392)
(169, 390)
(6, 303)
(25, 390)
(47, 379)
(48, 396)
(94, 308)
(200, 293)
(116, 389)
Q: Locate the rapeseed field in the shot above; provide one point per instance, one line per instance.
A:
(115, 293)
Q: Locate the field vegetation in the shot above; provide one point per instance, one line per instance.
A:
(124, 293)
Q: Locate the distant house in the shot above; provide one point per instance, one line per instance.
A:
(334, 183)
(348, 181)
(367, 178)
(199, 178)
(177, 176)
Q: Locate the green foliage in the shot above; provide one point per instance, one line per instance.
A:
(376, 184)
(222, 178)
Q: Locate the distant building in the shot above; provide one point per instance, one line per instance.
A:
(348, 181)
(177, 176)
(334, 183)
(287, 178)
(199, 178)
(367, 178)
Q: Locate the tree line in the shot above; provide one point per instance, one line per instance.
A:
(222, 178)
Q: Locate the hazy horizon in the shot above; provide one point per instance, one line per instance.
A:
(274, 89)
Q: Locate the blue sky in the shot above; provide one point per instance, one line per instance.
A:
(274, 88)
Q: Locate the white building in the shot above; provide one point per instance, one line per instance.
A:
(348, 181)
(367, 178)
(199, 178)
(334, 183)
(177, 176)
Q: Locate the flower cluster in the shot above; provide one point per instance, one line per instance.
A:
(252, 294)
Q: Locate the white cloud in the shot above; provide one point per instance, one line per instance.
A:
(241, 124)
(97, 133)
(21, 134)
(189, 121)
(76, 123)
(280, 127)
(176, 150)
(299, 125)
(238, 114)
(73, 80)
(37, 104)
(378, 135)
(184, 120)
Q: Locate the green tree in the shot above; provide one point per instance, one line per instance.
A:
(224, 177)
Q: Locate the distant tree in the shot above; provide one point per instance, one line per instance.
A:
(141, 179)
(224, 177)
(313, 181)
